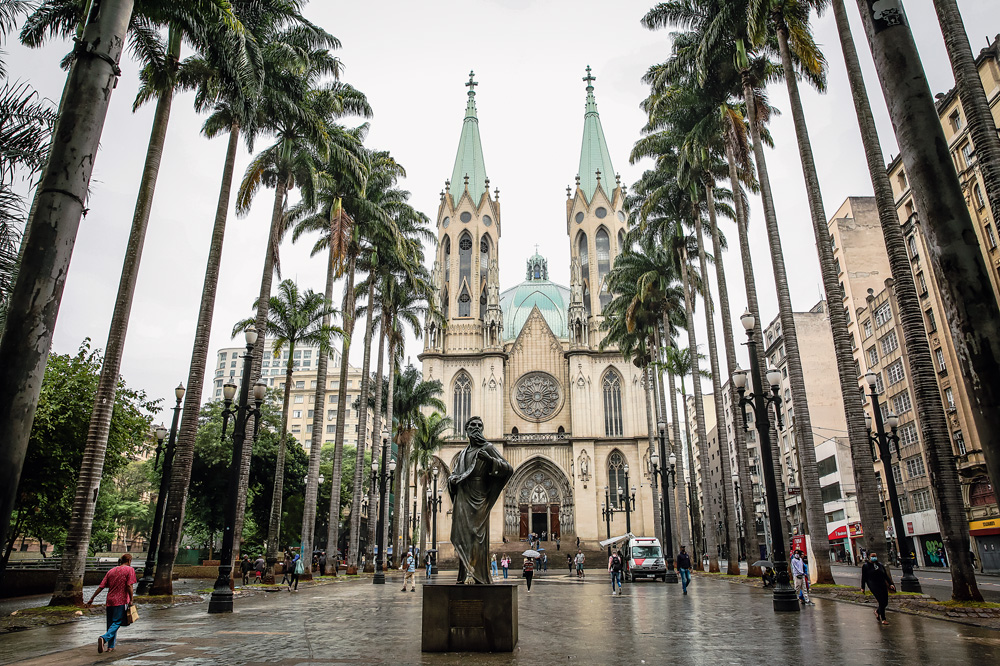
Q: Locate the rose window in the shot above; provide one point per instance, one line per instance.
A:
(536, 395)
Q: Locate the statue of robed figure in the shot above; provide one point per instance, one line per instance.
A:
(474, 486)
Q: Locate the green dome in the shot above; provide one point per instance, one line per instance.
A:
(551, 299)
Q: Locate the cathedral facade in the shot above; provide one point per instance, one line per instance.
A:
(568, 415)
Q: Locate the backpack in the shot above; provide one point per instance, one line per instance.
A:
(299, 567)
(616, 563)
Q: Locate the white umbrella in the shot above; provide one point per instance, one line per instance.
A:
(531, 553)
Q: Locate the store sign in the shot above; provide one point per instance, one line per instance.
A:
(909, 528)
(839, 533)
(856, 530)
(799, 543)
(984, 524)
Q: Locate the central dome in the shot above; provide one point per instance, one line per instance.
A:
(551, 299)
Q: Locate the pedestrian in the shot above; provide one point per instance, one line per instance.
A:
(569, 563)
(578, 543)
(286, 570)
(879, 582)
(799, 576)
(684, 567)
(321, 562)
(298, 568)
(493, 565)
(258, 567)
(615, 568)
(545, 561)
(118, 582)
(428, 564)
(246, 566)
(527, 570)
(409, 567)
(505, 564)
(557, 543)
(580, 557)
(941, 557)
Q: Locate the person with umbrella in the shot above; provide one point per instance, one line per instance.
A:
(528, 568)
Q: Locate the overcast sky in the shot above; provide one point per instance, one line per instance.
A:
(412, 60)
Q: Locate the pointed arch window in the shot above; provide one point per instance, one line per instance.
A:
(612, 404)
(465, 302)
(603, 243)
(462, 402)
(581, 244)
(484, 270)
(445, 301)
(446, 257)
(616, 478)
(465, 275)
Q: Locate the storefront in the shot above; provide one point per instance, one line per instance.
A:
(986, 537)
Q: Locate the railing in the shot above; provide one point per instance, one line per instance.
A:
(93, 563)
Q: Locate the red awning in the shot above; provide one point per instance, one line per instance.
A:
(839, 533)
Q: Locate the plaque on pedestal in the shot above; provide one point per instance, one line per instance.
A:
(469, 618)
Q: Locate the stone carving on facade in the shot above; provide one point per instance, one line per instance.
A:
(584, 465)
(537, 395)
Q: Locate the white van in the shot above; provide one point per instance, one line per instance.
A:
(644, 559)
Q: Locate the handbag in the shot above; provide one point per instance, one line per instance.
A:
(131, 615)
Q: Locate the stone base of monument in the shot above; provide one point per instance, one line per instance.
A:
(469, 618)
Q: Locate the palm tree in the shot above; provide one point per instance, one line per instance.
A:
(411, 398)
(208, 24)
(933, 426)
(678, 363)
(430, 435)
(293, 319)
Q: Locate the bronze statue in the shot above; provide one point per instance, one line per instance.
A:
(474, 486)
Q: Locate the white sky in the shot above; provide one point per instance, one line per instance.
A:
(412, 60)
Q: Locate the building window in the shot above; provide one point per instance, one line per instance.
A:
(949, 398)
(232, 364)
(296, 413)
(485, 248)
(901, 179)
(464, 275)
(831, 493)
(907, 434)
(955, 120)
(981, 494)
(616, 479)
(897, 475)
(867, 328)
(901, 403)
(931, 322)
(883, 315)
(462, 402)
(921, 500)
(222, 356)
(990, 236)
(309, 427)
(977, 193)
(872, 357)
(331, 429)
(301, 384)
(921, 283)
(959, 442)
(895, 372)
(827, 466)
(331, 398)
(612, 404)
(299, 399)
(968, 154)
(584, 254)
(603, 243)
(911, 245)
(889, 342)
(857, 369)
(915, 467)
(835, 516)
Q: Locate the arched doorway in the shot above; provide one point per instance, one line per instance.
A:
(539, 499)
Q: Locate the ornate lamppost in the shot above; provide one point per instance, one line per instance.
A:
(669, 476)
(434, 501)
(629, 502)
(608, 512)
(784, 598)
(222, 594)
(384, 481)
(146, 582)
(881, 451)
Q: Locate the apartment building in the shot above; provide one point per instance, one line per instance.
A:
(229, 368)
(733, 420)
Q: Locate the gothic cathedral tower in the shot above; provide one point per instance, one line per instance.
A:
(465, 350)
(595, 223)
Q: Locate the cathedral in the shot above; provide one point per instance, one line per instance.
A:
(569, 416)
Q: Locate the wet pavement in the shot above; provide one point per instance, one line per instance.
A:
(561, 620)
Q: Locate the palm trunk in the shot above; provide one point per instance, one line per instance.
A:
(750, 286)
(403, 497)
(180, 477)
(662, 416)
(263, 304)
(274, 525)
(333, 528)
(970, 309)
(69, 580)
(388, 419)
(359, 470)
(652, 445)
(729, 501)
(316, 441)
(48, 242)
(373, 499)
(692, 502)
(680, 496)
(982, 127)
(425, 524)
(699, 409)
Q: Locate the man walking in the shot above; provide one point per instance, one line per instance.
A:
(258, 567)
(684, 567)
(118, 582)
(615, 567)
(579, 563)
(246, 566)
(877, 578)
(409, 567)
(799, 576)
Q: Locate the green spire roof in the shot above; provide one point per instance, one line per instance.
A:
(469, 161)
(594, 154)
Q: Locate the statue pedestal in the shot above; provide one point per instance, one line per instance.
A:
(469, 618)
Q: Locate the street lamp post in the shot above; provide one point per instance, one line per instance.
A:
(784, 598)
(740, 527)
(629, 502)
(384, 486)
(222, 594)
(669, 477)
(434, 502)
(607, 511)
(880, 441)
(146, 582)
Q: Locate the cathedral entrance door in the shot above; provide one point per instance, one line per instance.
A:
(538, 500)
(540, 519)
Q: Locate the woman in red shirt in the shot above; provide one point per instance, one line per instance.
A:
(119, 582)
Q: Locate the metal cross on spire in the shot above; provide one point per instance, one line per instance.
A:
(472, 83)
(590, 78)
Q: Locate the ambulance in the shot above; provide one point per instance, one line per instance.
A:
(644, 559)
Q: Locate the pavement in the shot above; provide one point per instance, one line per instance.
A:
(562, 619)
(934, 582)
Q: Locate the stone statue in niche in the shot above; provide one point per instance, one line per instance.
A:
(474, 486)
(584, 464)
